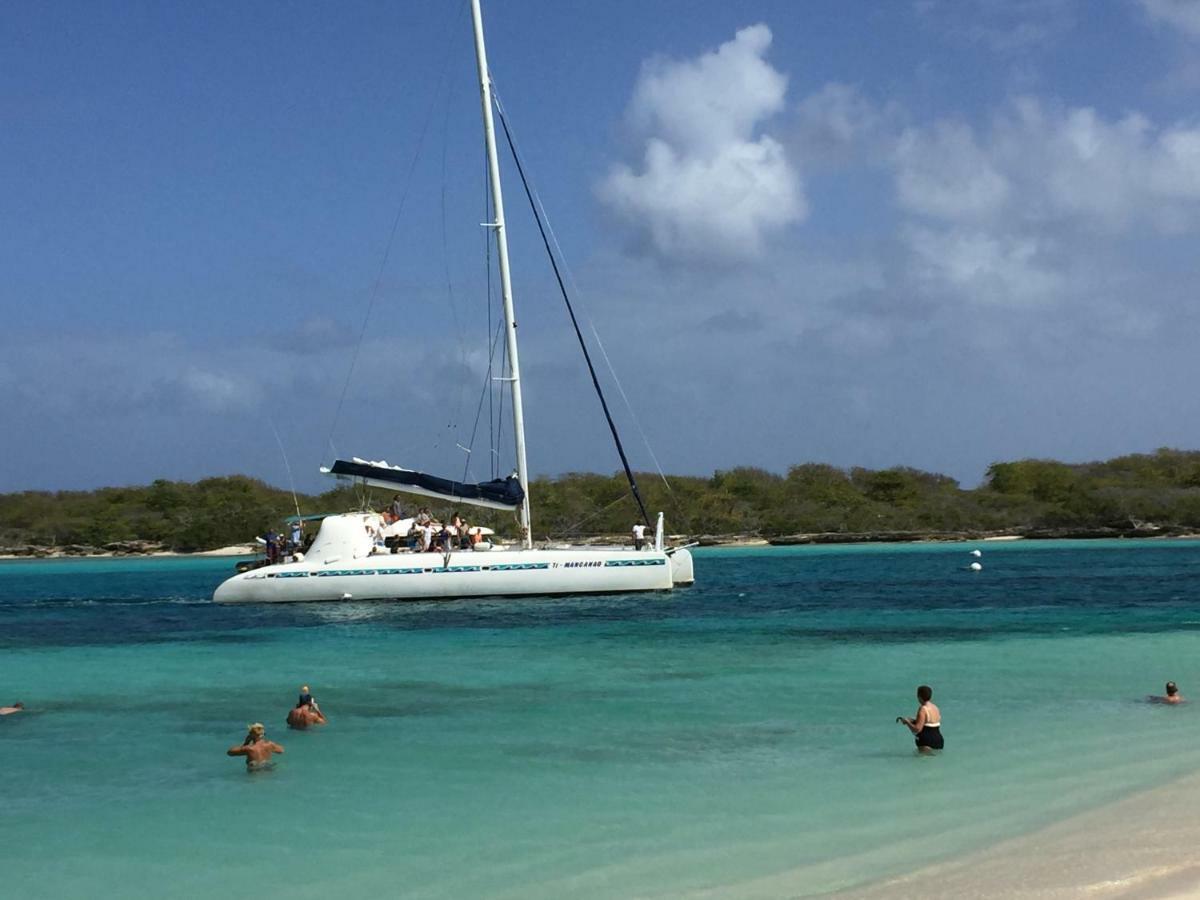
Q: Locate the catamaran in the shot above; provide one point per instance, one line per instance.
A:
(344, 562)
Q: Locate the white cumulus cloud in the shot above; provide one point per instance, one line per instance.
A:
(710, 185)
(943, 172)
(985, 268)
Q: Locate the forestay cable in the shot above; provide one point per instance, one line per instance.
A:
(612, 427)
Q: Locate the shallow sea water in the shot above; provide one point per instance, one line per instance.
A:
(640, 746)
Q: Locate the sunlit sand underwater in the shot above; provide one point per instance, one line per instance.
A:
(733, 739)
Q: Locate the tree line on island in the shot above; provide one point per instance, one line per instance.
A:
(1139, 494)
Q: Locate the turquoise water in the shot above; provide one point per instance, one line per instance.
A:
(597, 747)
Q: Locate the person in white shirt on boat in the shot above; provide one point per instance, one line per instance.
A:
(639, 536)
(421, 536)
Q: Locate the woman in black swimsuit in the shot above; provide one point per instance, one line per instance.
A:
(927, 725)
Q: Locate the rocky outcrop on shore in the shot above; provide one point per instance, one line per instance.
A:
(1033, 534)
(116, 548)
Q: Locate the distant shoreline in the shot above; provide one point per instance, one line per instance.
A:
(83, 552)
(150, 550)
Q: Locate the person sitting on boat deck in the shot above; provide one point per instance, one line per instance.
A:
(927, 725)
(1172, 696)
(639, 536)
(256, 748)
(423, 517)
(9, 710)
(464, 535)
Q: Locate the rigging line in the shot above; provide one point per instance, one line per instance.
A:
(387, 252)
(487, 389)
(596, 334)
(491, 387)
(287, 465)
(599, 341)
(637, 495)
(458, 331)
(621, 390)
(573, 529)
(504, 373)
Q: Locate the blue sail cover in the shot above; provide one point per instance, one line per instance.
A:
(501, 493)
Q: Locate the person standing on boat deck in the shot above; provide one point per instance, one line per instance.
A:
(397, 508)
(256, 748)
(927, 724)
(272, 547)
(639, 536)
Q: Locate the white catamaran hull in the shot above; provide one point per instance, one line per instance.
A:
(435, 576)
(340, 566)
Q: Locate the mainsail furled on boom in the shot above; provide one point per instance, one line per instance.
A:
(501, 493)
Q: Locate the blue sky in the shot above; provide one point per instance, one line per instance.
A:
(936, 233)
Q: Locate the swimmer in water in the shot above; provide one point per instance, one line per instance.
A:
(305, 712)
(256, 748)
(927, 725)
(306, 698)
(300, 717)
(9, 710)
(1172, 696)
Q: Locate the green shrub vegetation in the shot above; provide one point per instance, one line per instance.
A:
(1130, 493)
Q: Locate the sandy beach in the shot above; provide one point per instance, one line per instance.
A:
(1138, 848)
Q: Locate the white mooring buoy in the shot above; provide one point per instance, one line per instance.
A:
(976, 567)
(977, 553)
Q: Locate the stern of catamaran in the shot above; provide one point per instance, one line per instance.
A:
(681, 567)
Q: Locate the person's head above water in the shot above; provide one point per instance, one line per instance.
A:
(256, 731)
(1172, 689)
(924, 693)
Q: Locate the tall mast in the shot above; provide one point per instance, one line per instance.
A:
(510, 323)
